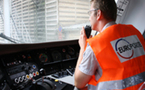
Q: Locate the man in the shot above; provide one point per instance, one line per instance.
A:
(114, 58)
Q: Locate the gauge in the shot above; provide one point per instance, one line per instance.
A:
(26, 57)
(56, 55)
(43, 57)
(68, 56)
(29, 58)
(63, 50)
(71, 51)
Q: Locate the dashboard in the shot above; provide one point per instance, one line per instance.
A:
(21, 65)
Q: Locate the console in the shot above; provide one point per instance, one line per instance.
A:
(27, 66)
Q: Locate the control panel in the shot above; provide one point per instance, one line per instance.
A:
(26, 69)
(20, 73)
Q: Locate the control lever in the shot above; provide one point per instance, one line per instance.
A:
(43, 84)
(42, 72)
(69, 72)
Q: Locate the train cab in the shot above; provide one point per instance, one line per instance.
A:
(39, 45)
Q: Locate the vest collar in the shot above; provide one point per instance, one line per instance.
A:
(107, 25)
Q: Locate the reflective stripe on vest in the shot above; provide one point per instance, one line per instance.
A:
(122, 84)
(120, 52)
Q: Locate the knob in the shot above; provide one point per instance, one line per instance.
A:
(37, 73)
(24, 78)
(20, 79)
(42, 72)
(34, 74)
(27, 76)
(34, 66)
(31, 75)
(16, 80)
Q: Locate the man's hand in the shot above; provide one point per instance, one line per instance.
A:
(82, 39)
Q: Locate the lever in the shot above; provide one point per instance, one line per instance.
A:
(69, 72)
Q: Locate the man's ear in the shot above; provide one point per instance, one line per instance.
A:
(99, 14)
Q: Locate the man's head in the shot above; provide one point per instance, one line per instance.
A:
(102, 10)
(108, 8)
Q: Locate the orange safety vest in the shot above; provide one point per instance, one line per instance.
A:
(120, 52)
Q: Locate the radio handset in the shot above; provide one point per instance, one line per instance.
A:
(88, 30)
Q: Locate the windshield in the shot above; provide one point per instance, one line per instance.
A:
(36, 21)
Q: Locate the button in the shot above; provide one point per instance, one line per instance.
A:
(56, 80)
(34, 74)
(20, 79)
(37, 73)
(16, 80)
(31, 75)
(27, 76)
(24, 78)
(8, 64)
(34, 67)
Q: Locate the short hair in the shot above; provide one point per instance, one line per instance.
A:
(108, 8)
